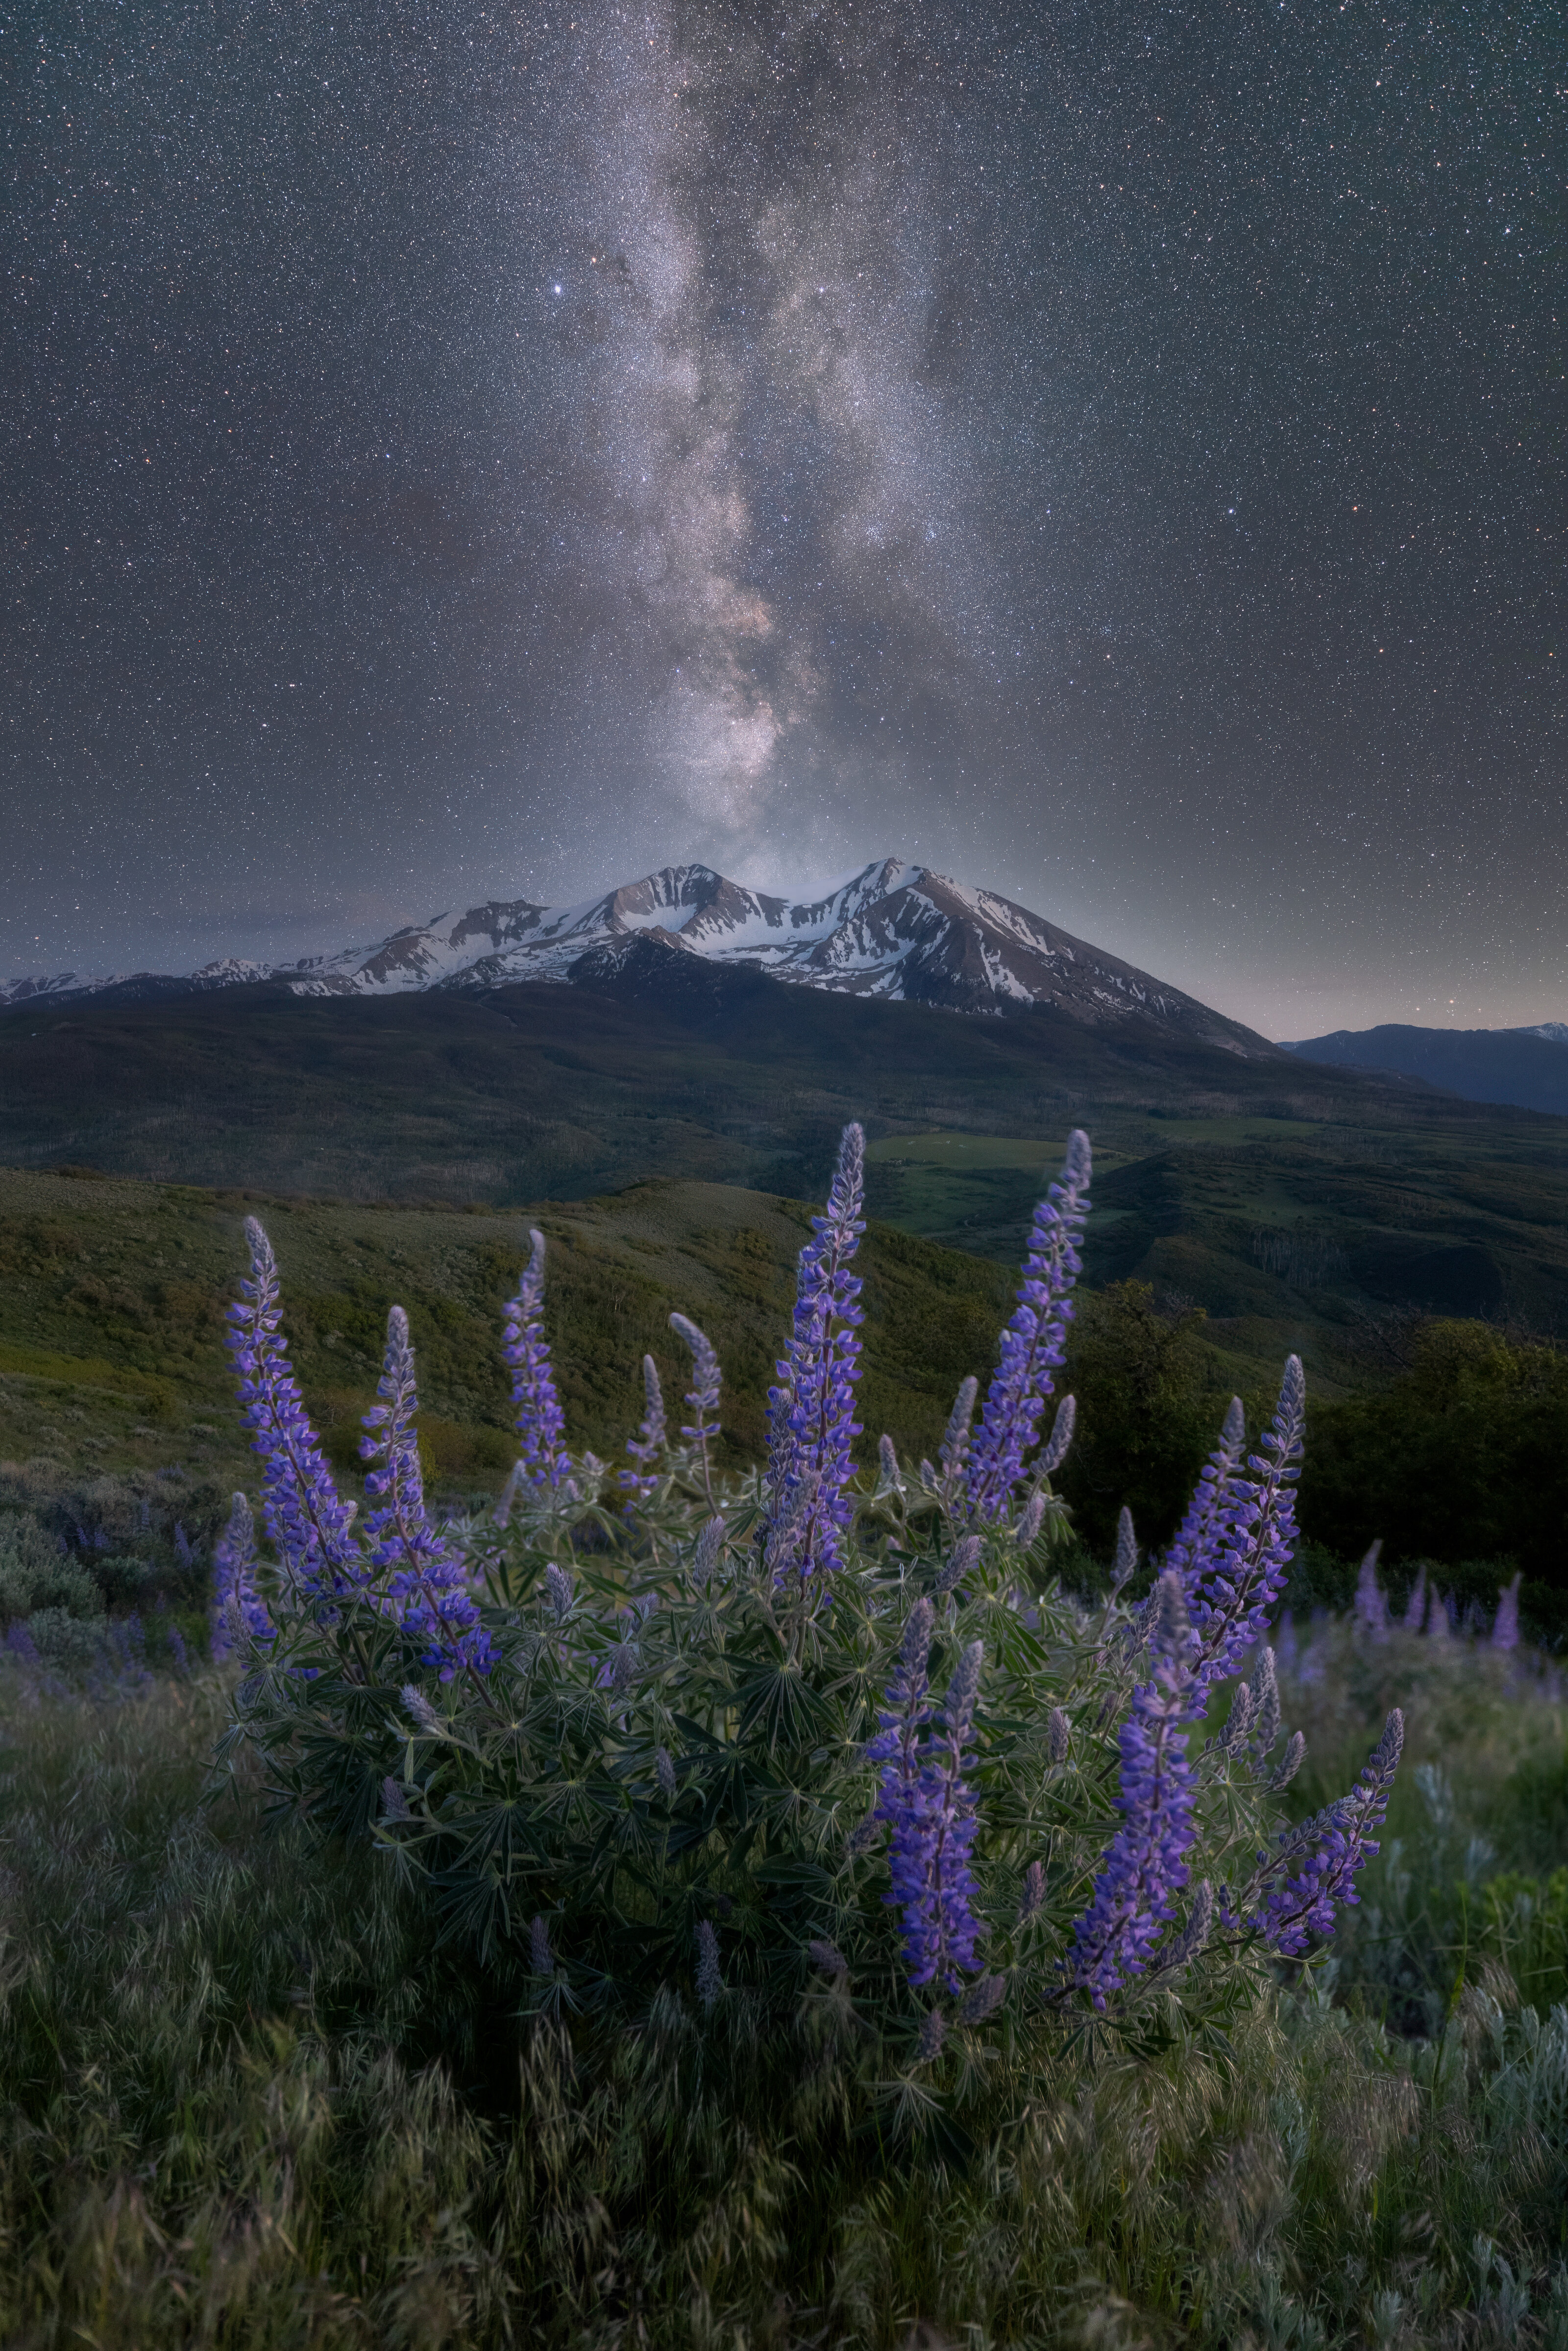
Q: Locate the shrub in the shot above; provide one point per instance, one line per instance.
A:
(36, 1573)
(674, 1753)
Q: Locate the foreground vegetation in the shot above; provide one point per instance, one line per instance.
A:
(767, 1907)
(247, 2101)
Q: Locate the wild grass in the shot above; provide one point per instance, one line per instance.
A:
(244, 2101)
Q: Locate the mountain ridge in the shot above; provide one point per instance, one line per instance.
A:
(1524, 1069)
(889, 931)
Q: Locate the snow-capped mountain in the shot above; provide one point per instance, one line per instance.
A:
(892, 930)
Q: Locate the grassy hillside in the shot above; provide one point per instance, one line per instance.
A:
(113, 1294)
(1297, 1205)
(1290, 1232)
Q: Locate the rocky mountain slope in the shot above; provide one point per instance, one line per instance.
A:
(892, 930)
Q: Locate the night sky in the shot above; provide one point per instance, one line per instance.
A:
(1113, 454)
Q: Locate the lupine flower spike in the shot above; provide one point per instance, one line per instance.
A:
(239, 1610)
(702, 1396)
(1145, 1864)
(810, 1413)
(1371, 1607)
(954, 1450)
(1251, 1557)
(648, 1445)
(1126, 1554)
(1505, 1626)
(1329, 1850)
(1034, 1342)
(710, 1982)
(1210, 1511)
(423, 1578)
(1061, 1430)
(540, 1422)
(305, 1516)
(930, 1810)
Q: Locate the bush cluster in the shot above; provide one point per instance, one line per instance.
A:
(668, 1746)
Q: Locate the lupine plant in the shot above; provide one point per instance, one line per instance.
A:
(657, 1736)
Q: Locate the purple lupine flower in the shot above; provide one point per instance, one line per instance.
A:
(1145, 1863)
(1125, 1557)
(419, 1706)
(307, 1518)
(1265, 1696)
(710, 1982)
(1061, 1438)
(931, 2034)
(1329, 1849)
(239, 1610)
(961, 1561)
(1505, 1626)
(178, 1650)
(702, 1396)
(710, 1545)
(1415, 1606)
(1033, 1346)
(1251, 1559)
(906, 1712)
(1186, 1946)
(811, 1411)
(1027, 1530)
(185, 1550)
(424, 1588)
(1031, 1901)
(930, 1809)
(648, 1444)
(954, 1450)
(1209, 1511)
(1371, 1607)
(540, 1421)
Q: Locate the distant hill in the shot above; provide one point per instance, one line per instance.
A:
(654, 1062)
(1527, 1067)
(1297, 1202)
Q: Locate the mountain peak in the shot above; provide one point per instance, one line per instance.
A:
(889, 929)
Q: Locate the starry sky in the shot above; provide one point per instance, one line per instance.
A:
(1113, 454)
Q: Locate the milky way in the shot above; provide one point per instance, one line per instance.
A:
(1114, 454)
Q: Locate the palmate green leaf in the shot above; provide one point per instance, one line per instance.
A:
(780, 1707)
